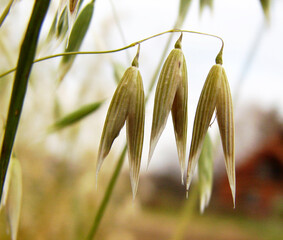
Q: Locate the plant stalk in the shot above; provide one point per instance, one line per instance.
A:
(6, 12)
(25, 62)
(107, 195)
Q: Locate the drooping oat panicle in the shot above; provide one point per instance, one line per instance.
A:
(225, 119)
(205, 108)
(205, 173)
(127, 105)
(171, 95)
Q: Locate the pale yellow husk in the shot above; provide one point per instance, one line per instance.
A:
(127, 105)
(225, 119)
(215, 95)
(204, 112)
(171, 95)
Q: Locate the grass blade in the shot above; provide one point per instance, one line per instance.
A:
(135, 132)
(26, 58)
(75, 116)
(6, 12)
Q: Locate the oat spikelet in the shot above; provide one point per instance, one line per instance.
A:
(135, 132)
(225, 119)
(116, 115)
(171, 95)
(204, 112)
(128, 105)
(215, 95)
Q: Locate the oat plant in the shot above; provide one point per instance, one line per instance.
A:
(127, 105)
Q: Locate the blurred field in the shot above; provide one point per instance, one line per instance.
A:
(60, 201)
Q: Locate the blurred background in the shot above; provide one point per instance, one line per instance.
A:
(60, 198)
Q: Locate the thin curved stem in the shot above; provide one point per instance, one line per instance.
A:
(107, 195)
(119, 49)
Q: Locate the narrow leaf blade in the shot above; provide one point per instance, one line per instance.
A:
(75, 116)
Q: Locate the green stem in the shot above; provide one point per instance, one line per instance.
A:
(107, 195)
(120, 49)
(6, 12)
(24, 66)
